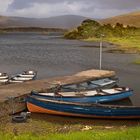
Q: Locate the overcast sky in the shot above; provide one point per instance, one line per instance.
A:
(48, 8)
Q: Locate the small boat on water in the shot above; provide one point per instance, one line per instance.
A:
(25, 76)
(103, 83)
(28, 74)
(90, 85)
(4, 78)
(41, 105)
(91, 96)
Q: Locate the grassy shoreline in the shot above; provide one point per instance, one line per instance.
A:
(124, 44)
(137, 62)
(48, 127)
(127, 133)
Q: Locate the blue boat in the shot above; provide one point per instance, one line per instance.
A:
(90, 96)
(41, 105)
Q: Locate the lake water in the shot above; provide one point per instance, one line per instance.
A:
(51, 55)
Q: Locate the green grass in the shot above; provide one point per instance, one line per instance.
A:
(137, 62)
(129, 44)
(126, 42)
(124, 134)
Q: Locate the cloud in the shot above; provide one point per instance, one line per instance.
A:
(114, 4)
(4, 5)
(90, 8)
(48, 9)
(21, 4)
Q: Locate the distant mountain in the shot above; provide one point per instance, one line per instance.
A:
(132, 19)
(66, 22)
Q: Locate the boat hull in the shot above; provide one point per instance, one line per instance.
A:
(16, 81)
(22, 78)
(3, 77)
(81, 110)
(4, 80)
(26, 75)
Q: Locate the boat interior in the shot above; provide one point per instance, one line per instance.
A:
(97, 92)
(88, 85)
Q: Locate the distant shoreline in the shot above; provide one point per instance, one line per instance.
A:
(31, 29)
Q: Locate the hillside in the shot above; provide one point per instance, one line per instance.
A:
(132, 19)
(65, 22)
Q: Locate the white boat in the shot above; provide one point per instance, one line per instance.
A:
(4, 76)
(4, 80)
(25, 76)
(19, 78)
(28, 74)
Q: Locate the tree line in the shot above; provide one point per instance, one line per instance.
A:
(91, 28)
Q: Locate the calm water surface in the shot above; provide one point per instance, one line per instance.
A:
(51, 55)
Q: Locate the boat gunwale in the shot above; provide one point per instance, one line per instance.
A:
(82, 95)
